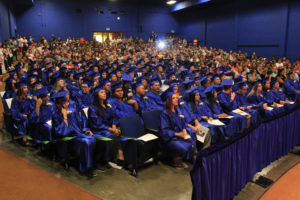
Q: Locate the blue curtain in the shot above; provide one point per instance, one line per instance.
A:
(221, 171)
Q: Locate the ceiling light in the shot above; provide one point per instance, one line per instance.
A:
(171, 2)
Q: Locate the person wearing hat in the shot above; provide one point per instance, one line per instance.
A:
(140, 98)
(176, 139)
(153, 95)
(11, 86)
(192, 122)
(122, 108)
(60, 84)
(227, 99)
(44, 110)
(244, 105)
(103, 121)
(255, 96)
(215, 111)
(68, 123)
(84, 97)
(205, 83)
(291, 87)
(21, 108)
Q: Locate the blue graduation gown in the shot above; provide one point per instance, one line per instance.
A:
(242, 102)
(122, 109)
(18, 109)
(175, 146)
(143, 103)
(232, 125)
(82, 145)
(289, 87)
(228, 105)
(83, 100)
(192, 113)
(155, 101)
(42, 130)
(99, 125)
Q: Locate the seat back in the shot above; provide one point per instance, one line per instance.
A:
(152, 119)
(131, 126)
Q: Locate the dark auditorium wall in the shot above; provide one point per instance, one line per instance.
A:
(60, 17)
(270, 28)
(7, 20)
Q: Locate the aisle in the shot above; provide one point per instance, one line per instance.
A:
(20, 180)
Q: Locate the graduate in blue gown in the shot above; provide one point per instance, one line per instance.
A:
(121, 107)
(154, 96)
(42, 115)
(244, 105)
(195, 109)
(84, 98)
(103, 122)
(21, 108)
(256, 97)
(291, 87)
(227, 99)
(71, 124)
(215, 111)
(140, 98)
(280, 97)
(176, 139)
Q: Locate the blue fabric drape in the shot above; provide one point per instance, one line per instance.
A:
(220, 172)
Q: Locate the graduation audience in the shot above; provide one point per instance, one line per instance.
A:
(74, 93)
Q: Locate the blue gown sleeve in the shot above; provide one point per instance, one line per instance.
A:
(60, 127)
(167, 133)
(95, 122)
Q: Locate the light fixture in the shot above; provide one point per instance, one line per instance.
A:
(171, 2)
(161, 44)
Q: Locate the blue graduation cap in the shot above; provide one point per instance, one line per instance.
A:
(98, 89)
(188, 82)
(37, 83)
(166, 94)
(203, 80)
(86, 81)
(60, 96)
(116, 86)
(241, 84)
(193, 90)
(209, 89)
(126, 78)
(22, 83)
(274, 81)
(227, 82)
(105, 82)
(154, 81)
(290, 73)
(41, 93)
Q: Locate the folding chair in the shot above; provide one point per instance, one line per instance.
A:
(152, 121)
(8, 121)
(140, 149)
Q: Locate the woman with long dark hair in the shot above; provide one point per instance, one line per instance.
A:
(103, 122)
(21, 108)
(177, 140)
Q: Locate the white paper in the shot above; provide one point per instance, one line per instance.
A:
(269, 108)
(278, 105)
(8, 102)
(216, 122)
(147, 137)
(2, 94)
(292, 102)
(187, 137)
(240, 112)
(49, 122)
(201, 138)
(114, 165)
(228, 117)
(164, 88)
(85, 110)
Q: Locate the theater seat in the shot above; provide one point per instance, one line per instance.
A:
(152, 121)
(141, 146)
